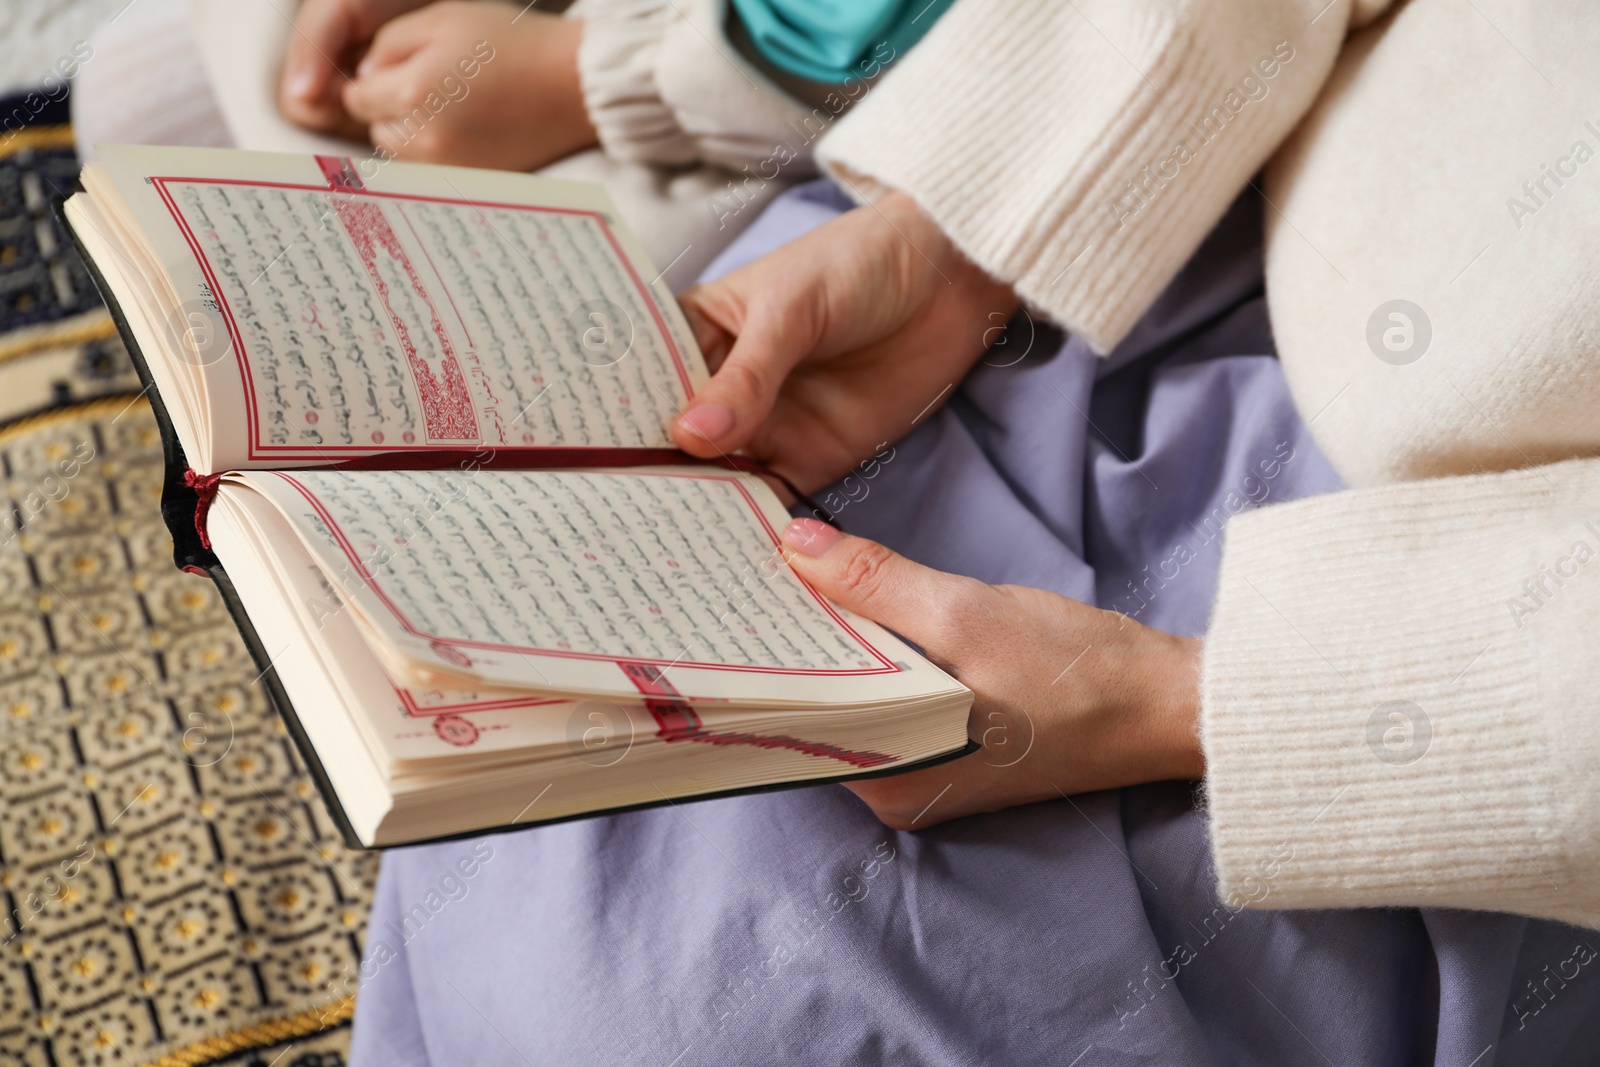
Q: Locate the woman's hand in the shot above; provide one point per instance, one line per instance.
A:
(1069, 698)
(328, 41)
(475, 84)
(838, 341)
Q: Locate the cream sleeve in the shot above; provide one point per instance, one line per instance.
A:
(1402, 681)
(1400, 697)
(1081, 151)
(664, 85)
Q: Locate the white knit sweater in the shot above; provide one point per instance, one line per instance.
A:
(1400, 680)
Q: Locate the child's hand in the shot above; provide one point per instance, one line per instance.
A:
(477, 84)
(328, 40)
(838, 341)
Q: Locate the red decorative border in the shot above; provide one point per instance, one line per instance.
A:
(260, 450)
(417, 711)
(448, 410)
(676, 720)
(887, 665)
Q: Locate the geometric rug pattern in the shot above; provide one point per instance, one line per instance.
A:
(174, 891)
(57, 343)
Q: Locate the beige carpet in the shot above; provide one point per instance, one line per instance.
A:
(173, 890)
(176, 891)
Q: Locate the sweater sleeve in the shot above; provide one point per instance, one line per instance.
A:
(1399, 697)
(664, 85)
(1081, 151)
(1401, 680)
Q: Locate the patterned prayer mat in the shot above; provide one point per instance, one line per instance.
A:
(57, 343)
(174, 891)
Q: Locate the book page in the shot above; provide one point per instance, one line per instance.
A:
(243, 43)
(415, 731)
(665, 581)
(373, 307)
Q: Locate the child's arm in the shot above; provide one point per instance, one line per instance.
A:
(496, 84)
(328, 40)
(477, 84)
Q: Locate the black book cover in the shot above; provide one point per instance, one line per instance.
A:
(179, 502)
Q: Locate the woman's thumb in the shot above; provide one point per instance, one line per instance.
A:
(726, 413)
(922, 604)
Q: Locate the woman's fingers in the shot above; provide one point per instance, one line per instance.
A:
(917, 800)
(713, 340)
(941, 612)
(732, 406)
(832, 293)
(933, 609)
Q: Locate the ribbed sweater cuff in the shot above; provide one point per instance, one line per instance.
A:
(1384, 723)
(617, 63)
(1037, 134)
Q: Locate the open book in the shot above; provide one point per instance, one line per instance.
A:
(416, 425)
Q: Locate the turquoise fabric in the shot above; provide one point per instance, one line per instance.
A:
(833, 41)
